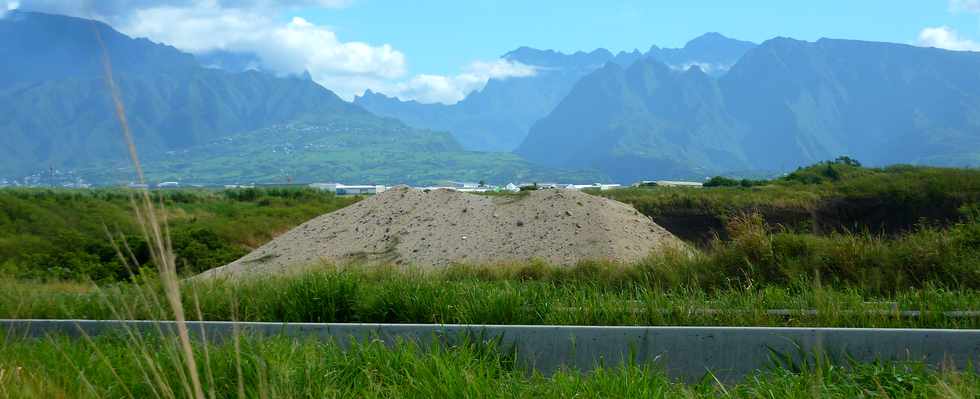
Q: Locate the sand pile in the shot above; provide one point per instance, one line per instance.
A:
(437, 228)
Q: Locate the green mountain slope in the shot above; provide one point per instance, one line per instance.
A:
(56, 110)
(69, 123)
(638, 123)
(351, 150)
(882, 103)
(785, 103)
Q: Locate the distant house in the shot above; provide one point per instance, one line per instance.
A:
(343, 189)
(168, 184)
(464, 185)
(512, 187)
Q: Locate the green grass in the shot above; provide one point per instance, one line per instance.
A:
(279, 367)
(533, 295)
(849, 279)
(742, 278)
(62, 234)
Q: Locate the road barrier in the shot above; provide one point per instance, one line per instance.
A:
(687, 353)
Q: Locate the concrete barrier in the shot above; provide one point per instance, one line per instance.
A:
(684, 352)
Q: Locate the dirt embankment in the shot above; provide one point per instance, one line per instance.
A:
(437, 228)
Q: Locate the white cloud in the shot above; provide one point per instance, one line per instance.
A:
(10, 6)
(946, 38)
(964, 6)
(450, 89)
(290, 46)
(706, 67)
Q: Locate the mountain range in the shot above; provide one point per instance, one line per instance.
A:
(498, 117)
(784, 104)
(715, 106)
(56, 113)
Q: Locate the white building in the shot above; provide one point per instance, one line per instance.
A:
(343, 189)
(464, 185)
(599, 186)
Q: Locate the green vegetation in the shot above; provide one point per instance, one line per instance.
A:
(890, 200)
(528, 295)
(850, 280)
(757, 274)
(63, 234)
(284, 367)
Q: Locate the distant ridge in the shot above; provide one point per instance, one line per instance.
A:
(785, 103)
(498, 117)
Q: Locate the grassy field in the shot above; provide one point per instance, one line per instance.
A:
(853, 280)
(279, 367)
(834, 245)
(63, 234)
(587, 295)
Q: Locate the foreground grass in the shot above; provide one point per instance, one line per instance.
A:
(845, 280)
(277, 367)
(590, 294)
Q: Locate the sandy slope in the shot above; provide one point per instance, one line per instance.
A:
(437, 228)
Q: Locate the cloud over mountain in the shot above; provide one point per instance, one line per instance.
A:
(945, 37)
(451, 89)
(286, 46)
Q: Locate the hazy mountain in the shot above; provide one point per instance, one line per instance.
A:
(71, 122)
(643, 121)
(56, 110)
(498, 117)
(197, 121)
(38, 47)
(230, 61)
(785, 103)
(712, 52)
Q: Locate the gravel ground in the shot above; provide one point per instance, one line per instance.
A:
(441, 227)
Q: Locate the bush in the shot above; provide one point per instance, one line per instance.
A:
(721, 181)
(62, 234)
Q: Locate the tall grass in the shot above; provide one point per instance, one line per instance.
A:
(529, 294)
(277, 367)
(153, 225)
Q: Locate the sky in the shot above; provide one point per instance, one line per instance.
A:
(441, 50)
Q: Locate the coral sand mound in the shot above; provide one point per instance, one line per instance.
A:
(441, 227)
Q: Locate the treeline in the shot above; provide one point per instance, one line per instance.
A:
(65, 234)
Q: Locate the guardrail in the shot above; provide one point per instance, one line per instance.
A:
(684, 352)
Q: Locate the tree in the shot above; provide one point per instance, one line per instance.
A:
(831, 173)
(846, 160)
(721, 181)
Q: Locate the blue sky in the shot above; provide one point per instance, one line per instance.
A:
(441, 35)
(441, 50)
